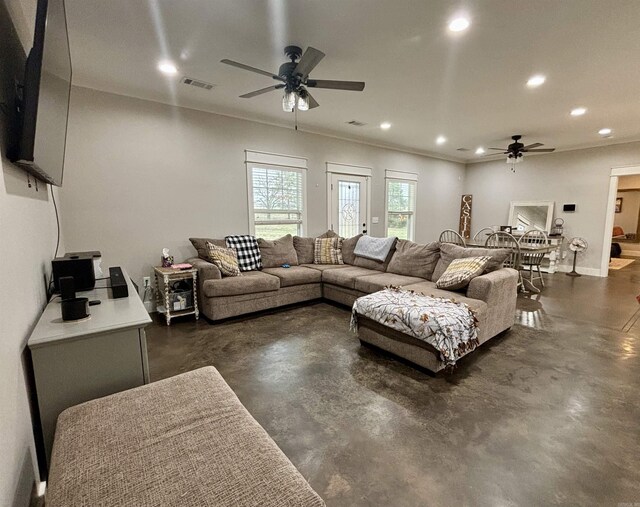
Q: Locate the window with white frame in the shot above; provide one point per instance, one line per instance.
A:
(401, 204)
(276, 200)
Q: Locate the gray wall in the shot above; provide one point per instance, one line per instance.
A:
(27, 243)
(580, 177)
(141, 176)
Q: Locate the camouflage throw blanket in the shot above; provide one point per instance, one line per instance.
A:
(448, 325)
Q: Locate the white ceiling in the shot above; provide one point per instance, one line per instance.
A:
(426, 81)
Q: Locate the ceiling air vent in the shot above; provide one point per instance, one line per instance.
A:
(356, 123)
(197, 83)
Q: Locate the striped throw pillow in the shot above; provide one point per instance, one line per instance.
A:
(461, 271)
(327, 251)
(225, 259)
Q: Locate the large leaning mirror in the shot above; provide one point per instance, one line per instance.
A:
(529, 215)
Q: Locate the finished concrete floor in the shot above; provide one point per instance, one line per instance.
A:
(546, 414)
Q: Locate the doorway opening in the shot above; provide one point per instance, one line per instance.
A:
(622, 224)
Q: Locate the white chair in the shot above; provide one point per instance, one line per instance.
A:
(451, 236)
(532, 260)
(506, 240)
(482, 234)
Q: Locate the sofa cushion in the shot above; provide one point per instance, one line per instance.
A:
(186, 440)
(305, 246)
(461, 271)
(295, 275)
(200, 244)
(277, 252)
(413, 259)
(348, 247)
(429, 289)
(374, 283)
(249, 282)
(449, 252)
(324, 267)
(361, 262)
(327, 251)
(304, 249)
(225, 259)
(328, 234)
(346, 277)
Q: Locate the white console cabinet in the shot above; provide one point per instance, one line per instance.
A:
(74, 362)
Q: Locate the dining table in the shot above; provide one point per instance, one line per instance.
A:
(526, 248)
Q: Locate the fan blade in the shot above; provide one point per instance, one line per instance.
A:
(534, 145)
(312, 102)
(261, 91)
(355, 86)
(542, 150)
(309, 60)
(251, 69)
(494, 154)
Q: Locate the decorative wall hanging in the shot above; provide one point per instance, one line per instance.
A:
(465, 216)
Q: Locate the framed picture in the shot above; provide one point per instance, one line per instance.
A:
(619, 205)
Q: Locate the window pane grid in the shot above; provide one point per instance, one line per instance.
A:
(401, 205)
(277, 201)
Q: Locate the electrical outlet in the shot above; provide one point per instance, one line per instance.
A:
(146, 281)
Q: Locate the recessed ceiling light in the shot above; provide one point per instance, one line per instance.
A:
(535, 81)
(578, 111)
(167, 68)
(385, 125)
(459, 24)
(605, 132)
(441, 140)
(480, 151)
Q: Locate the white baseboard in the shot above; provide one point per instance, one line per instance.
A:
(563, 268)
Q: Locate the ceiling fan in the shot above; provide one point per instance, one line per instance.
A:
(294, 79)
(516, 150)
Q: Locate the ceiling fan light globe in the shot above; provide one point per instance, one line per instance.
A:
(289, 101)
(303, 102)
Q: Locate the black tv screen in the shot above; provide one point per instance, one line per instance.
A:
(46, 89)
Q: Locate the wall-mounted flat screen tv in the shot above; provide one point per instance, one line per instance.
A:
(44, 104)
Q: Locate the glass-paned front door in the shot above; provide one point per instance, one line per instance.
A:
(349, 205)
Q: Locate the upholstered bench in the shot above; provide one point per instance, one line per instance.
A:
(184, 441)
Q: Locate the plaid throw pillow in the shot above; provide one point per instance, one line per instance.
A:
(224, 258)
(247, 250)
(327, 251)
(461, 271)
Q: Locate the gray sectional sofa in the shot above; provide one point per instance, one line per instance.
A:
(492, 295)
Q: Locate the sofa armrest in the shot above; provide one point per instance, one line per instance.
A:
(494, 285)
(206, 270)
(499, 289)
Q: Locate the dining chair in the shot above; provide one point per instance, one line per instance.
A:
(451, 236)
(532, 260)
(506, 240)
(482, 233)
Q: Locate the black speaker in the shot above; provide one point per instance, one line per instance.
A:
(80, 268)
(67, 287)
(568, 207)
